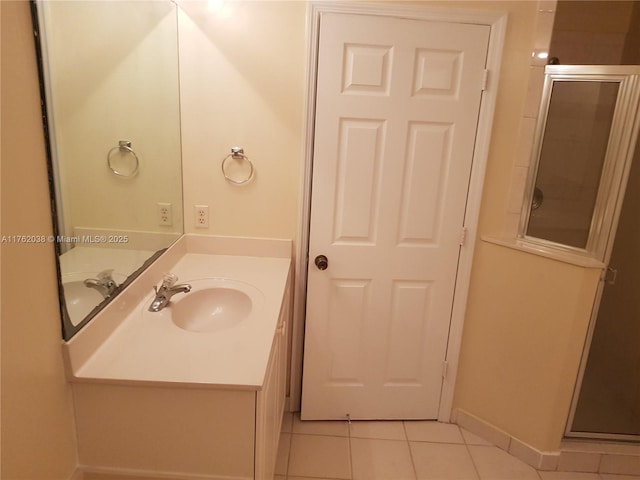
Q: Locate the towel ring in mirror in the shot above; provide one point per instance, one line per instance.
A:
(124, 147)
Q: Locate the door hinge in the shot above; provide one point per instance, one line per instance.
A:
(444, 369)
(463, 236)
(485, 79)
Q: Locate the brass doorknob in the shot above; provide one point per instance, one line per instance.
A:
(321, 262)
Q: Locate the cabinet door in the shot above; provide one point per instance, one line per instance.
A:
(284, 324)
(268, 418)
(271, 399)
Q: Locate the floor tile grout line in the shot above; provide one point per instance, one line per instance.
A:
(316, 434)
(473, 462)
(350, 450)
(536, 470)
(413, 463)
(600, 464)
(286, 467)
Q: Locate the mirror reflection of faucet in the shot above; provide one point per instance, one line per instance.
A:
(104, 283)
(167, 290)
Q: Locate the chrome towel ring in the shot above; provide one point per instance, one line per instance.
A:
(124, 147)
(237, 153)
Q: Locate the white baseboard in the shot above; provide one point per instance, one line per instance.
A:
(610, 457)
(588, 456)
(538, 459)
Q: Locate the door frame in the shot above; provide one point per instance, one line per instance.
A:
(497, 21)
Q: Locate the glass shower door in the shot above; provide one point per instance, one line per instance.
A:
(608, 405)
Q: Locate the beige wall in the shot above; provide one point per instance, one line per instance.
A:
(526, 322)
(242, 74)
(38, 441)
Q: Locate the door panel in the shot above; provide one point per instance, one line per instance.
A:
(358, 180)
(421, 208)
(410, 308)
(396, 115)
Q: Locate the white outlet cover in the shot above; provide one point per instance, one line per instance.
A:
(201, 216)
(165, 214)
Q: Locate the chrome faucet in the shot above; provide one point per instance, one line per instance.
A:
(104, 284)
(167, 290)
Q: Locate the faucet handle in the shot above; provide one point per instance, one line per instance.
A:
(169, 280)
(105, 275)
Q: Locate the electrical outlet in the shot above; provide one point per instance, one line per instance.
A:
(202, 216)
(165, 214)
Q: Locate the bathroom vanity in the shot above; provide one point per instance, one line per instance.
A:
(157, 396)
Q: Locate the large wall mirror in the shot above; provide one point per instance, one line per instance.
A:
(109, 75)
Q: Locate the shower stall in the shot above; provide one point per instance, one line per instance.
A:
(584, 202)
(607, 401)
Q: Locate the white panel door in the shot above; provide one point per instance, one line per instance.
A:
(396, 115)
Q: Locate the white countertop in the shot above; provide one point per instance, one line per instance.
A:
(150, 348)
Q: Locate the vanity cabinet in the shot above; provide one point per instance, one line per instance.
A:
(165, 430)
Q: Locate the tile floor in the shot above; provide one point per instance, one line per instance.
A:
(410, 450)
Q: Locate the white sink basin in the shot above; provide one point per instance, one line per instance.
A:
(212, 304)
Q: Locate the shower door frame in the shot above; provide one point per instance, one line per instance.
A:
(569, 433)
(617, 190)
